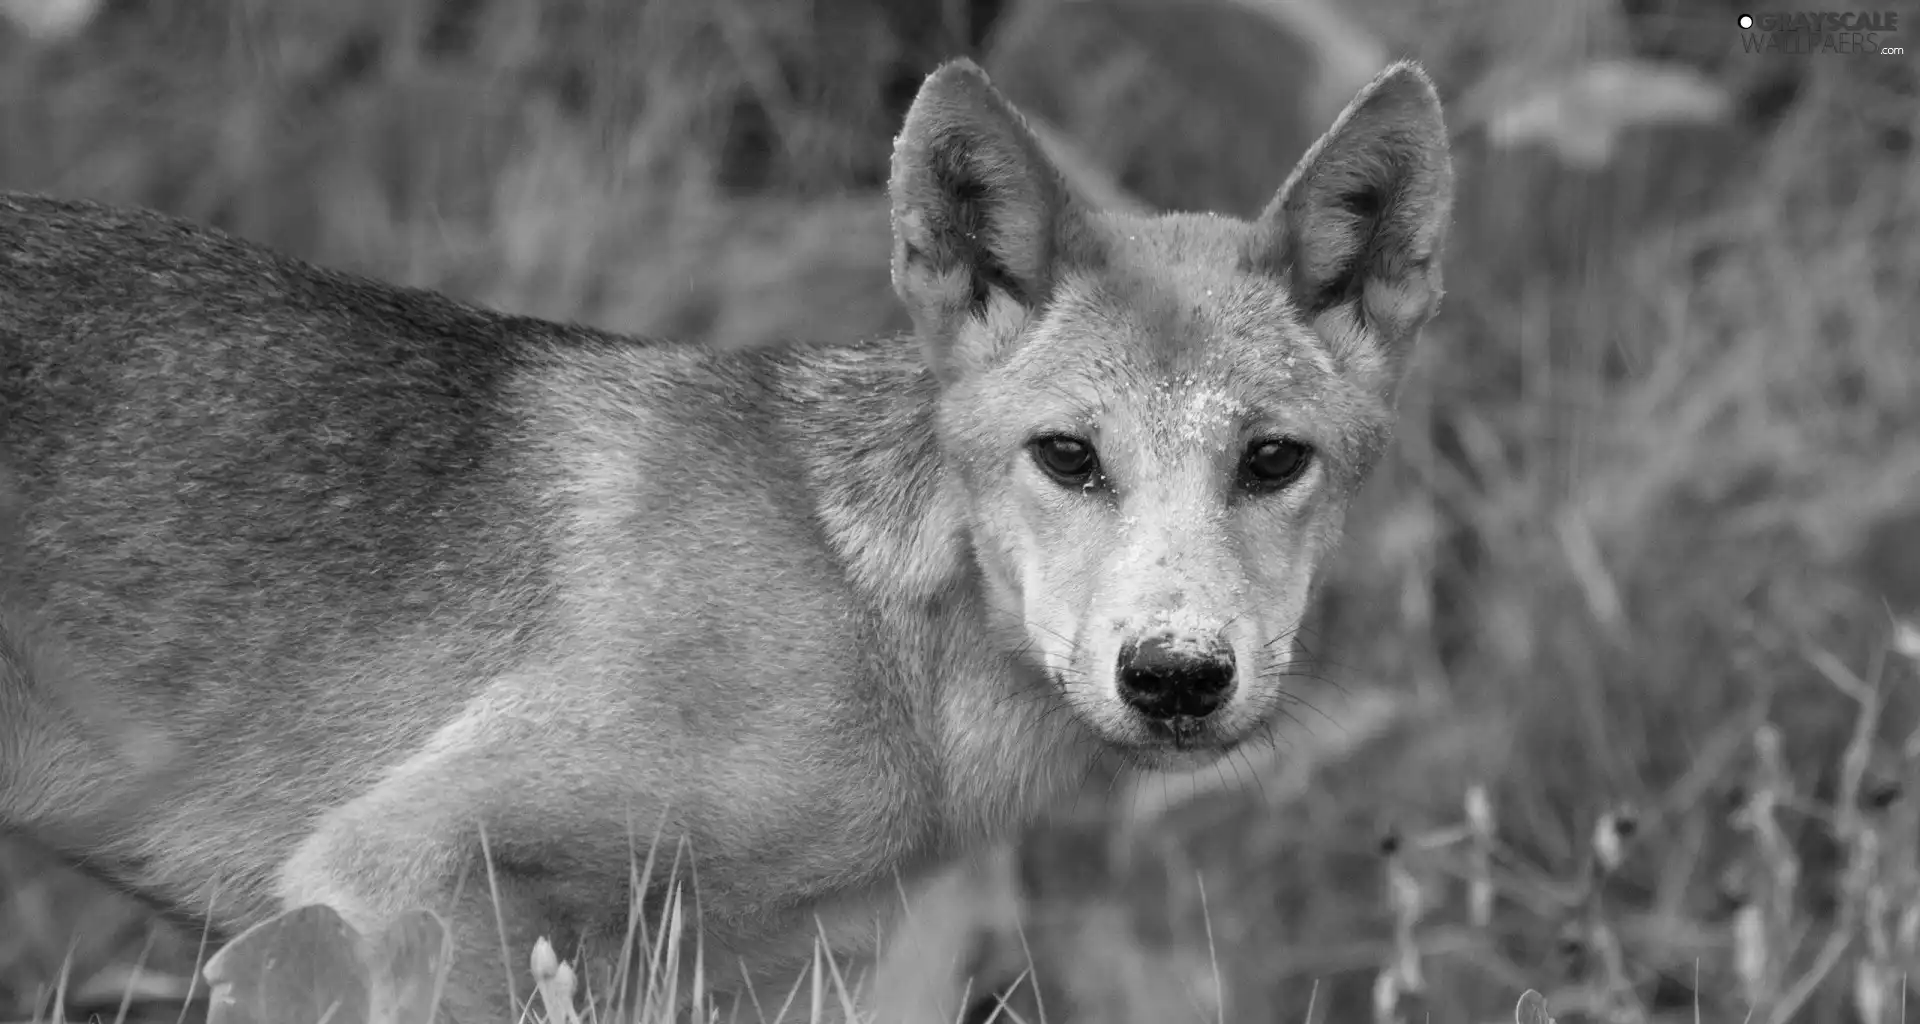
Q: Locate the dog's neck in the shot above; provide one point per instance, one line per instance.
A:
(863, 421)
(894, 510)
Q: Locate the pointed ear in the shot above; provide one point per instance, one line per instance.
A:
(980, 216)
(1358, 228)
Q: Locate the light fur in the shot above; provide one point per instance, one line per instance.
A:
(314, 586)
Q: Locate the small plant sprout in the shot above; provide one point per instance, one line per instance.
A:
(1611, 834)
(555, 982)
(1386, 997)
(1480, 856)
(1407, 902)
(1617, 999)
(1906, 637)
(1766, 920)
(1532, 1009)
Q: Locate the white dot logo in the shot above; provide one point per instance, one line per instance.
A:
(1746, 21)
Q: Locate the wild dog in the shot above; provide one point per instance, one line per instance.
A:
(316, 588)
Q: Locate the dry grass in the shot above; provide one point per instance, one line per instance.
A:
(1627, 592)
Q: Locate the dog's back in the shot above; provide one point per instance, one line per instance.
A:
(237, 464)
(268, 499)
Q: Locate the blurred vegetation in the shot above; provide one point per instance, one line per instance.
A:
(1659, 472)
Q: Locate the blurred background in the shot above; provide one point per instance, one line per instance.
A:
(1615, 690)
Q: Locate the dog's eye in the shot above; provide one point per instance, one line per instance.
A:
(1271, 465)
(1068, 460)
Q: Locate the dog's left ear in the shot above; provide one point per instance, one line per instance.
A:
(980, 215)
(1358, 228)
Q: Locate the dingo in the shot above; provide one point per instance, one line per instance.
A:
(310, 585)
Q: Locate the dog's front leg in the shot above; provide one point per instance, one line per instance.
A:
(419, 839)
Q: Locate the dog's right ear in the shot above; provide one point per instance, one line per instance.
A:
(980, 215)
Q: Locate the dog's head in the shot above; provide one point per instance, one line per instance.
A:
(1160, 420)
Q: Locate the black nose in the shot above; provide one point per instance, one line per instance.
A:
(1163, 679)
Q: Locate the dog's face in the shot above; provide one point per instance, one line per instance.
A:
(1160, 421)
(1158, 467)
